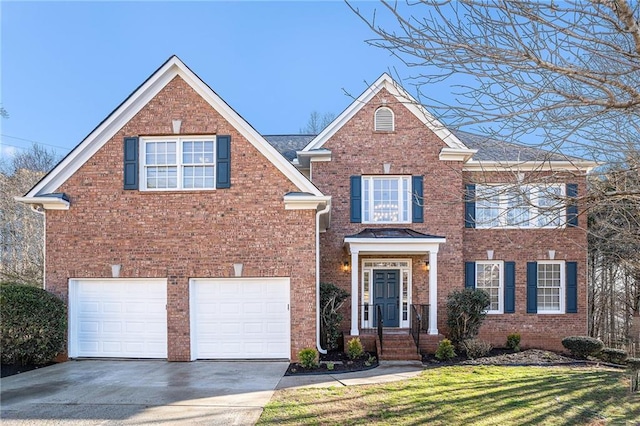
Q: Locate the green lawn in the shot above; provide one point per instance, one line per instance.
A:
(468, 395)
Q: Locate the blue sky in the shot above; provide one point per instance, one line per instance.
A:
(66, 65)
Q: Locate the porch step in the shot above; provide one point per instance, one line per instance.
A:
(398, 347)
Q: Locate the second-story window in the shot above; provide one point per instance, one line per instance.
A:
(178, 163)
(386, 199)
(528, 206)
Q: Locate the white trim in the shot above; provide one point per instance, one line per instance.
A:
(138, 100)
(179, 140)
(500, 264)
(402, 96)
(46, 203)
(408, 246)
(401, 323)
(528, 166)
(456, 154)
(297, 201)
(404, 198)
(563, 286)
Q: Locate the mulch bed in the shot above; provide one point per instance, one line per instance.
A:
(12, 369)
(341, 364)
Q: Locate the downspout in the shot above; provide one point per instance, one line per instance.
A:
(318, 214)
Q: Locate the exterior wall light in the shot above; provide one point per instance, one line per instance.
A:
(345, 266)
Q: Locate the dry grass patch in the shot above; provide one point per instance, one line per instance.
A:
(470, 395)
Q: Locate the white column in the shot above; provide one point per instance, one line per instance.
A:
(433, 292)
(355, 298)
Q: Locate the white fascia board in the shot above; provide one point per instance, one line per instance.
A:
(385, 81)
(125, 112)
(394, 245)
(305, 158)
(456, 154)
(528, 166)
(305, 202)
(47, 203)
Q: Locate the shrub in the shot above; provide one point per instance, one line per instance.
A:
(445, 350)
(582, 346)
(308, 358)
(354, 348)
(332, 298)
(465, 313)
(615, 356)
(513, 342)
(34, 325)
(476, 348)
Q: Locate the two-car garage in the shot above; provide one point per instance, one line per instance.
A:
(230, 318)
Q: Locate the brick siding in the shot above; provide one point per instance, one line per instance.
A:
(184, 234)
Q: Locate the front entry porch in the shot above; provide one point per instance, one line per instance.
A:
(383, 288)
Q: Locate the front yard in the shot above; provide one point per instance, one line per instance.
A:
(478, 395)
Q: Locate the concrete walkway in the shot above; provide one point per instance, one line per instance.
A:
(389, 371)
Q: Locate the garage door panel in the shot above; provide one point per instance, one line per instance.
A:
(240, 318)
(118, 318)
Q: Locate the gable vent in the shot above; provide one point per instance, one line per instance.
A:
(384, 120)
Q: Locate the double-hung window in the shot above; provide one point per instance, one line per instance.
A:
(551, 286)
(173, 163)
(526, 206)
(490, 278)
(386, 199)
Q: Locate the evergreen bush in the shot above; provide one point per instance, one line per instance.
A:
(33, 327)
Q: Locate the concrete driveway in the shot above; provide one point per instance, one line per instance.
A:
(92, 392)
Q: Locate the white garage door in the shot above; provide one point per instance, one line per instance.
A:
(118, 318)
(240, 318)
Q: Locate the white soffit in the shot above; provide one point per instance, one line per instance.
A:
(136, 101)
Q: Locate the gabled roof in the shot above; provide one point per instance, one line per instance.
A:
(136, 101)
(402, 96)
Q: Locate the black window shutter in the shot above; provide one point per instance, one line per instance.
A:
(418, 199)
(131, 163)
(572, 206)
(470, 274)
(572, 287)
(532, 287)
(470, 206)
(509, 287)
(223, 162)
(356, 199)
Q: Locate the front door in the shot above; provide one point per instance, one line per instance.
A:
(386, 294)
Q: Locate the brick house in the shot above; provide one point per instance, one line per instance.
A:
(175, 230)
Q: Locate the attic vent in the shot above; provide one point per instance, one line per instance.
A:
(384, 120)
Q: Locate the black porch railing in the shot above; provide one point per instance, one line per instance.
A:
(419, 322)
(380, 324)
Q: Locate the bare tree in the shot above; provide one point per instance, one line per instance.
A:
(567, 72)
(317, 122)
(21, 229)
(4, 113)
